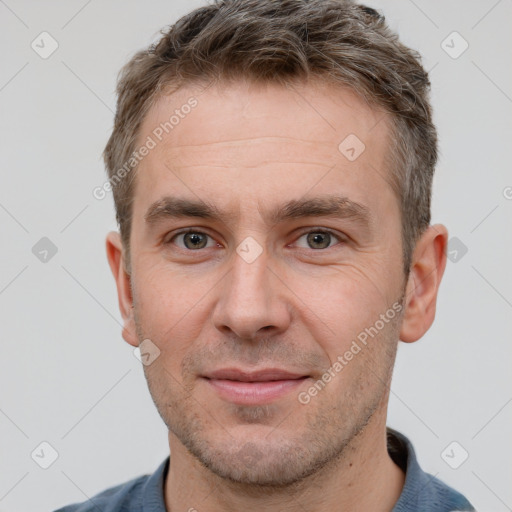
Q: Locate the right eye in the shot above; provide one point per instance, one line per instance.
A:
(191, 240)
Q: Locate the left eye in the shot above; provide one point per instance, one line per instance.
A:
(319, 239)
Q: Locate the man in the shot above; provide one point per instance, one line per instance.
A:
(271, 164)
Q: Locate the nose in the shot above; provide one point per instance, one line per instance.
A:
(252, 300)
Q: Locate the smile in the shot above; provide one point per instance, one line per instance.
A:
(253, 388)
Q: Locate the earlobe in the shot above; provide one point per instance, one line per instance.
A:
(115, 256)
(427, 269)
(129, 332)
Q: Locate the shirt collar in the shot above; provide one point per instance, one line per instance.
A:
(154, 489)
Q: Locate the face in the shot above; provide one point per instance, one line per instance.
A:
(267, 270)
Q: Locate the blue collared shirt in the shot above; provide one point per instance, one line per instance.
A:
(422, 492)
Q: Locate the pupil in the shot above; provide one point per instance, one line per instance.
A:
(194, 238)
(319, 238)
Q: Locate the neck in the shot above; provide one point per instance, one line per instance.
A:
(363, 478)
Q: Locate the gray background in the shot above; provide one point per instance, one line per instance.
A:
(66, 375)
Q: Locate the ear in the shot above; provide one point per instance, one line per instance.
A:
(427, 269)
(116, 260)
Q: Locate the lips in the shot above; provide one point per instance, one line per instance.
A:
(265, 375)
(253, 387)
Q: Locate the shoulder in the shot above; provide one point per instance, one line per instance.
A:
(422, 491)
(121, 498)
(444, 498)
(145, 492)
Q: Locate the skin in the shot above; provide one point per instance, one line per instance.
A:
(247, 149)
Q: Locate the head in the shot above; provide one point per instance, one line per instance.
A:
(294, 142)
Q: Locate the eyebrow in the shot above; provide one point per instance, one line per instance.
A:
(339, 207)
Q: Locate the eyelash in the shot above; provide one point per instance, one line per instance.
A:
(340, 238)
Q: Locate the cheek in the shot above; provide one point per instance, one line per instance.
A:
(171, 311)
(167, 292)
(337, 306)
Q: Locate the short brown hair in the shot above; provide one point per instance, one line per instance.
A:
(283, 41)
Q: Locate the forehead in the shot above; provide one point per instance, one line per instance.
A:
(263, 139)
(230, 114)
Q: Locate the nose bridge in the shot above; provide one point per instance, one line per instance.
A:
(250, 298)
(249, 275)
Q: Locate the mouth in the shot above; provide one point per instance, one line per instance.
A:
(253, 388)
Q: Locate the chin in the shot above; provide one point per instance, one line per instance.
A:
(262, 463)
